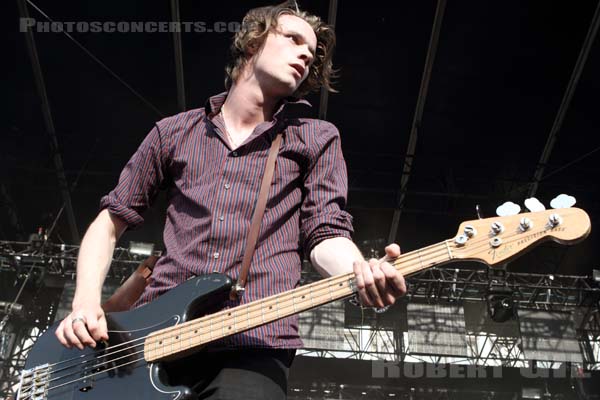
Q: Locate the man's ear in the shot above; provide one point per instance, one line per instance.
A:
(251, 48)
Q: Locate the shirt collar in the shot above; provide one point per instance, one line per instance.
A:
(214, 103)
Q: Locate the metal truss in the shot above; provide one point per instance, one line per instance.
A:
(59, 259)
(11, 367)
(496, 350)
(541, 291)
(455, 285)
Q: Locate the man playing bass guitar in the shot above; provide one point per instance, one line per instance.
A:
(210, 160)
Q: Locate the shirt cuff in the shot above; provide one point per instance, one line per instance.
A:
(130, 216)
(326, 226)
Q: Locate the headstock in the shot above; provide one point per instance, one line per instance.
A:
(498, 239)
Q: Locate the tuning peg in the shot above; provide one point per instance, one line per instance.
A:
(508, 208)
(534, 205)
(563, 201)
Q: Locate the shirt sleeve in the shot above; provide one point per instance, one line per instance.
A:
(322, 214)
(139, 181)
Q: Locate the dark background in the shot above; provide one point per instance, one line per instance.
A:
(498, 79)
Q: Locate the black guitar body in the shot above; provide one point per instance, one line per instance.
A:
(55, 372)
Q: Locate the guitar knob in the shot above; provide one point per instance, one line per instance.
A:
(470, 231)
(460, 240)
(497, 228)
(554, 220)
(525, 224)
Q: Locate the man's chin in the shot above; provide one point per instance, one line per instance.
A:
(285, 89)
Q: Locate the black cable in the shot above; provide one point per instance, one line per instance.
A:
(104, 66)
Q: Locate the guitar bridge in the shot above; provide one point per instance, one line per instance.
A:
(34, 383)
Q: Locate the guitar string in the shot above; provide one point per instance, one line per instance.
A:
(397, 262)
(404, 258)
(98, 365)
(343, 289)
(249, 308)
(276, 299)
(475, 247)
(142, 359)
(196, 325)
(181, 330)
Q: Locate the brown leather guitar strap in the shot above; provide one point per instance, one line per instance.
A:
(130, 291)
(259, 210)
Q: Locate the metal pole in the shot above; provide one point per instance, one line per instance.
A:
(41, 89)
(416, 124)
(178, 57)
(566, 101)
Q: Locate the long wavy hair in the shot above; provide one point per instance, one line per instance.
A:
(255, 28)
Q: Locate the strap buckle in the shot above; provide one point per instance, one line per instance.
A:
(237, 291)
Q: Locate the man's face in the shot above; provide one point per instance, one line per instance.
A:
(286, 56)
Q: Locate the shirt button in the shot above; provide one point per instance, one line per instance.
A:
(235, 153)
(216, 255)
(227, 186)
(221, 218)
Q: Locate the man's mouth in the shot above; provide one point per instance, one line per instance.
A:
(299, 68)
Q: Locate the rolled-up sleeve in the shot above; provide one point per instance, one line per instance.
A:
(139, 181)
(322, 213)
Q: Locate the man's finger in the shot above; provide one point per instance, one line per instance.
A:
(72, 339)
(360, 284)
(82, 333)
(102, 329)
(385, 290)
(60, 334)
(93, 327)
(395, 279)
(392, 250)
(371, 286)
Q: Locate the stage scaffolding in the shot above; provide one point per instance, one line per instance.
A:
(568, 304)
(456, 298)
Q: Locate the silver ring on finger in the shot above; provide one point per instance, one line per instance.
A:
(77, 319)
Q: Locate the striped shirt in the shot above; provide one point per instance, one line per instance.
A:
(212, 191)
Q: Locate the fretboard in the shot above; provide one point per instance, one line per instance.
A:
(181, 339)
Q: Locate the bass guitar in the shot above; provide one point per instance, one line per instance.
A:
(134, 362)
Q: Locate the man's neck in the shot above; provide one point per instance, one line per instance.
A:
(247, 105)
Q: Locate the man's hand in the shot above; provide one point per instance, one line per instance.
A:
(83, 327)
(378, 282)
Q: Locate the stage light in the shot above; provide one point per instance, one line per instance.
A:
(500, 304)
(531, 393)
(141, 248)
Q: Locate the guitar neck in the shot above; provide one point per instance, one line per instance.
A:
(182, 339)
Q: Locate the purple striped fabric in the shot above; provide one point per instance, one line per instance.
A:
(212, 192)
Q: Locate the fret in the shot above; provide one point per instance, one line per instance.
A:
(223, 325)
(294, 303)
(228, 331)
(171, 339)
(420, 259)
(198, 332)
(262, 313)
(330, 292)
(449, 252)
(247, 317)
(234, 324)
(310, 293)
